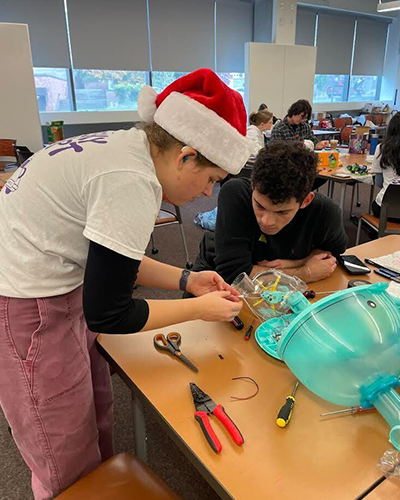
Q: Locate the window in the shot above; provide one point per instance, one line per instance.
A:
(330, 88)
(53, 89)
(161, 79)
(234, 81)
(97, 90)
(364, 87)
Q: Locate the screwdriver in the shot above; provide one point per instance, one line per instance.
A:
(249, 331)
(310, 294)
(285, 412)
(353, 410)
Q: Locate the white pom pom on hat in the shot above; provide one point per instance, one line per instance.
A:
(147, 103)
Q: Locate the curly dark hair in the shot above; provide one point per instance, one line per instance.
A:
(299, 107)
(285, 170)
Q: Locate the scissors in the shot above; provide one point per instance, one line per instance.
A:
(171, 344)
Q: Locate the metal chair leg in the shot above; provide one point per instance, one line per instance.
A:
(358, 231)
(358, 203)
(352, 201)
(154, 250)
(189, 264)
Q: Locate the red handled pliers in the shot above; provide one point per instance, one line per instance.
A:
(206, 406)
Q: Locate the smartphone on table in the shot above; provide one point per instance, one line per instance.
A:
(352, 264)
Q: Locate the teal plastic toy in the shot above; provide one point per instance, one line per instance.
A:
(346, 348)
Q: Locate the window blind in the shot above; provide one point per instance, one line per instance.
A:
(109, 35)
(47, 29)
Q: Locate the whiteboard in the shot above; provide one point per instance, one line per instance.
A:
(19, 114)
(278, 75)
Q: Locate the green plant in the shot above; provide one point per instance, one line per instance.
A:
(127, 92)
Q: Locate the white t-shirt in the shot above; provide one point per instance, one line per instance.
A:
(100, 187)
(389, 175)
(255, 134)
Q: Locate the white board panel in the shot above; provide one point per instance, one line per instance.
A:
(264, 67)
(19, 114)
(299, 74)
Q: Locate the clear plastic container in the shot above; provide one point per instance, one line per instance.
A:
(268, 292)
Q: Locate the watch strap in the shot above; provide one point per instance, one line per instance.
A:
(184, 279)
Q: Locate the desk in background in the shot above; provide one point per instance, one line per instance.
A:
(310, 459)
(326, 173)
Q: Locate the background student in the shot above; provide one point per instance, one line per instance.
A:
(295, 126)
(386, 163)
(259, 122)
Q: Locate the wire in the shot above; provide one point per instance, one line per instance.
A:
(248, 397)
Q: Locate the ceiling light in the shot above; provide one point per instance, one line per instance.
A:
(388, 6)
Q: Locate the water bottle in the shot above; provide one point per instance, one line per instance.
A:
(373, 143)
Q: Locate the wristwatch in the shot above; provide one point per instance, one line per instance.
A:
(184, 279)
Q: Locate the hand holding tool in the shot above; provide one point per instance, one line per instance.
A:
(285, 413)
(205, 406)
(171, 344)
(353, 409)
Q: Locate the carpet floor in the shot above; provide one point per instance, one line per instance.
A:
(164, 457)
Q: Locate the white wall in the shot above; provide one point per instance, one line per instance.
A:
(19, 115)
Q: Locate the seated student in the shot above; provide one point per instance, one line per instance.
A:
(262, 107)
(275, 220)
(294, 126)
(259, 122)
(386, 163)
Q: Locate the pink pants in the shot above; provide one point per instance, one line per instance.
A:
(55, 390)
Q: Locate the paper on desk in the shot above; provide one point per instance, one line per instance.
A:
(394, 289)
(391, 261)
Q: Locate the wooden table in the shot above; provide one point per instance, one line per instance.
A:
(310, 459)
(326, 173)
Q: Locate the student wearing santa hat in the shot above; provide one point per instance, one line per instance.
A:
(75, 221)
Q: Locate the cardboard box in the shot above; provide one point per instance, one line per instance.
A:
(362, 130)
(328, 158)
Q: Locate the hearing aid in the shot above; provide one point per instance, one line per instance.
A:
(185, 158)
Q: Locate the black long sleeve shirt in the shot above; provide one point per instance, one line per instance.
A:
(107, 292)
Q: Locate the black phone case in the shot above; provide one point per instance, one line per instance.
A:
(348, 270)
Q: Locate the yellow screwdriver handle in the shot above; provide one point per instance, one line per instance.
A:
(285, 412)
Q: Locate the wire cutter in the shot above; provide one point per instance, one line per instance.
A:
(205, 406)
(171, 344)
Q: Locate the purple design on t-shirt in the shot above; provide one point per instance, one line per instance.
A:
(75, 142)
(12, 185)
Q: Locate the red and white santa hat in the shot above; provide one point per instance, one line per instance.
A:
(201, 111)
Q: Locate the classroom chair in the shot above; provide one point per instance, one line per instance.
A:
(340, 123)
(345, 134)
(167, 218)
(122, 477)
(390, 209)
(22, 153)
